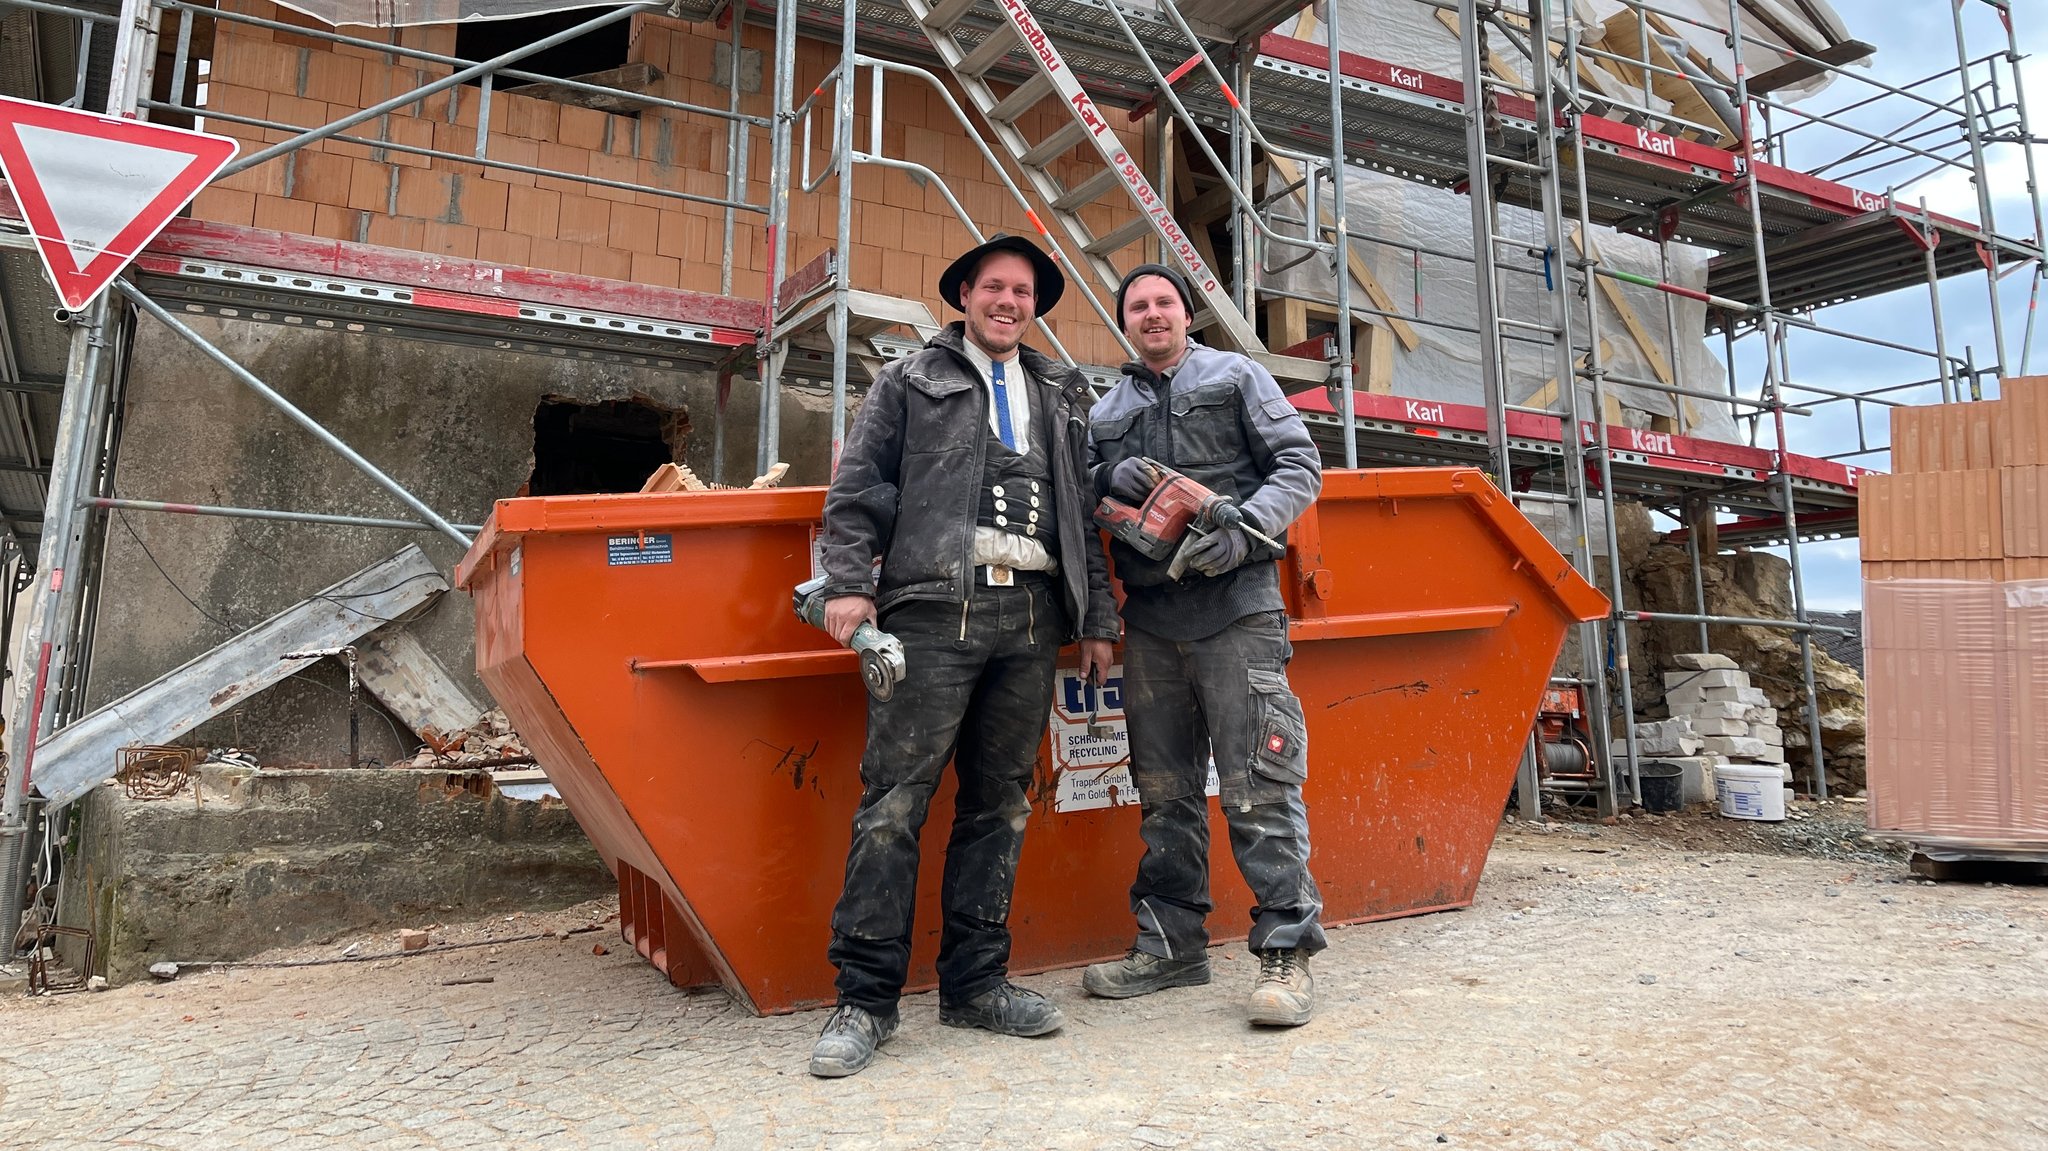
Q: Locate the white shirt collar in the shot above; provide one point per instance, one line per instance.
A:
(983, 364)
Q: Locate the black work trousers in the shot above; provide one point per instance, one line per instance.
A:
(1227, 695)
(977, 690)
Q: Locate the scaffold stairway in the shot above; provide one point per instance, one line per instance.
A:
(1085, 124)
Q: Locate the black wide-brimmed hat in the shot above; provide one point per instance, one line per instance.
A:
(1051, 282)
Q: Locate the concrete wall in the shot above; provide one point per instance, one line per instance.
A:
(256, 860)
(452, 424)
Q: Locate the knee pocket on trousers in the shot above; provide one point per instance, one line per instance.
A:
(1279, 752)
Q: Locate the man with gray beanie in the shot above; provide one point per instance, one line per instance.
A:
(1205, 656)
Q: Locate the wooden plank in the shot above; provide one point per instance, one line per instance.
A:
(1636, 332)
(404, 676)
(75, 760)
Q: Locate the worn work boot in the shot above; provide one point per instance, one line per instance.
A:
(849, 1040)
(1142, 973)
(1285, 995)
(1005, 1009)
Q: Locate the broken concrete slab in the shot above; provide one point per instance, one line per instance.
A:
(1702, 661)
(76, 759)
(404, 676)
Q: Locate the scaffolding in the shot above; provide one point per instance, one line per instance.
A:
(1275, 121)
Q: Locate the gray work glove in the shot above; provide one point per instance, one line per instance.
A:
(1219, 551)
(1131, 480)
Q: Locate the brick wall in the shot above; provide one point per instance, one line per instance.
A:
(903, 234)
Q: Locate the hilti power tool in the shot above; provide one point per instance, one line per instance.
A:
(1177, 513)
(881, 654)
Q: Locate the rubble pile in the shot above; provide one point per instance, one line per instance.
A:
(488, 741)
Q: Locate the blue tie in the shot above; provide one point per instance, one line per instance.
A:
(1003, 428)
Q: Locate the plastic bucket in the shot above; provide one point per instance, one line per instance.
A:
(1750, 791)
(1663, 786)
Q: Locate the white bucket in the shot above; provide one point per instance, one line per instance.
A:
(1749, 791)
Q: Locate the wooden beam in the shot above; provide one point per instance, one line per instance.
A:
(1625, 34)
(1286, 322)
(1373, 347)
(641, 77)
(1546, 395)
(1500, 67)
(75, 760)
(1793, 71)
(1636, 332)
(396, 668)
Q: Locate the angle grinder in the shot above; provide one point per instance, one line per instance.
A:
(881, 654)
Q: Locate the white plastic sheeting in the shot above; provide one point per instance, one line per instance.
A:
(1445, 364)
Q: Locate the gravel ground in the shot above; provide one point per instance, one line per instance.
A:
(1655, 983)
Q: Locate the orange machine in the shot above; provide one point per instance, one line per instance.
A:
(709, 742)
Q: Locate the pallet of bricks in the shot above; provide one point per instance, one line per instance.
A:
(1955, 625)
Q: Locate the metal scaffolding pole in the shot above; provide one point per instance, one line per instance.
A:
(768, 443)
(1492, 385)
(1340, 253)
(397, 490)
(1774, 337)
(842, 148)
(1980, 178)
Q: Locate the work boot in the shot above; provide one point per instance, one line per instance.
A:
(1285, 995)
(849, 1040)
(1142, 973)
(1005, 1009)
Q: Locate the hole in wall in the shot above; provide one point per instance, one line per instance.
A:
(582, 448)
(596, 51)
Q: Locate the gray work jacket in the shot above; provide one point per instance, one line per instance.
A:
(1230, 428)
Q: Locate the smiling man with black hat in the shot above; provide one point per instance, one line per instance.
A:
(1205, 656)
(963, 476)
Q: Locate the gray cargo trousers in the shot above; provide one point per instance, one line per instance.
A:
(1228, 694)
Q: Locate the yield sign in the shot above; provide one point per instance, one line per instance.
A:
(96, 189)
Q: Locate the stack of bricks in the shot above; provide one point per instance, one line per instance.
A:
(1732, 720)
(367, 189)
(1955, 570)
(1674, 741)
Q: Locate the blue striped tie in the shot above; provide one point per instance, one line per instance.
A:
(1003, 428)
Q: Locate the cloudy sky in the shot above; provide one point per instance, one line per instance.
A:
(1914, 41)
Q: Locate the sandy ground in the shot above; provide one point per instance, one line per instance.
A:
(1680, 982)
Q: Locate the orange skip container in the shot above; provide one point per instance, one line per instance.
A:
(709, 743)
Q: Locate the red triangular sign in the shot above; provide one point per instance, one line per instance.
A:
(95, 190)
